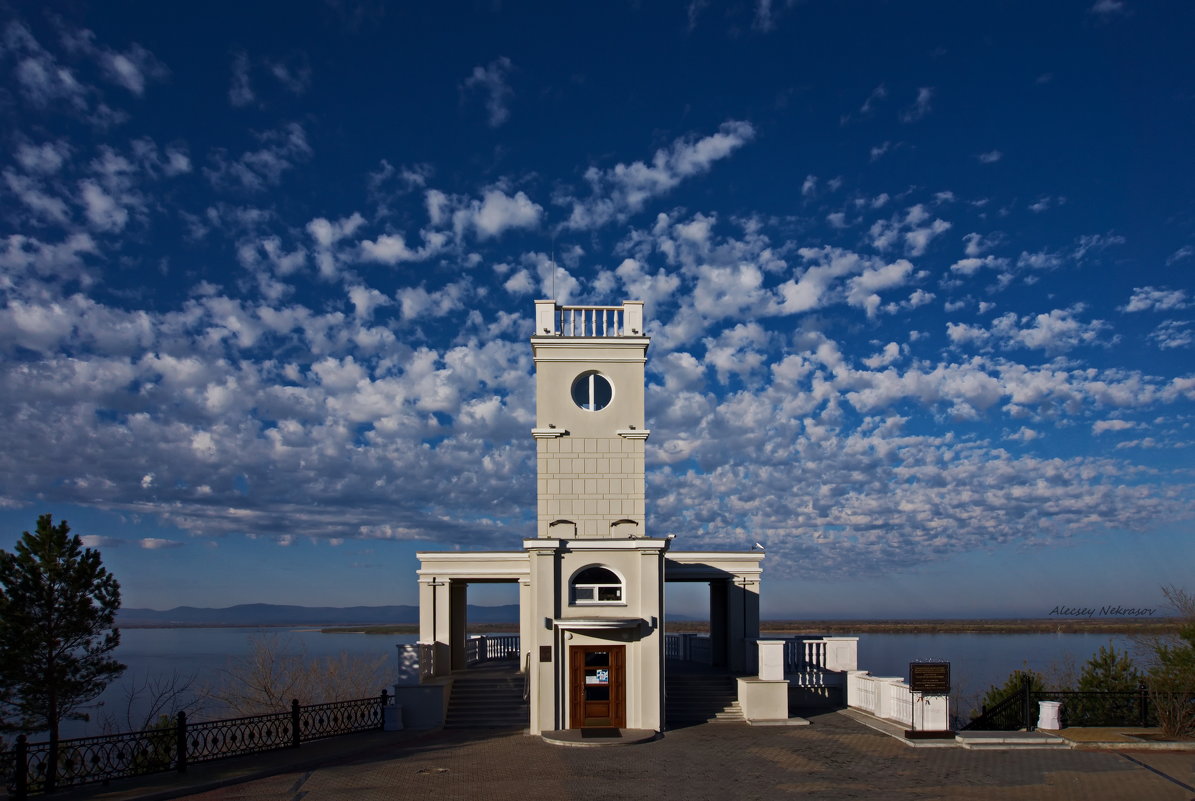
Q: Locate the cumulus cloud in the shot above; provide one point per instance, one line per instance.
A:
(624, 189)
(497, 212)
(1100, 426)
(990, 157)
(914, 230)
(1055, 331)
(1148, 298)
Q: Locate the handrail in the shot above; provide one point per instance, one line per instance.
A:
(527, 677)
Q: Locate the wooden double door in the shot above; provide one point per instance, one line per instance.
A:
(597, 686)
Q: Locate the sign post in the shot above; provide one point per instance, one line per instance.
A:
(928, 678)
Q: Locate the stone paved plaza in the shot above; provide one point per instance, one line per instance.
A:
(835, 758)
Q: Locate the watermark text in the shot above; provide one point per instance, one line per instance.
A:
(1103, 611)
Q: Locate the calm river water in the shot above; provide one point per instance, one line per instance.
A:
(977, 660)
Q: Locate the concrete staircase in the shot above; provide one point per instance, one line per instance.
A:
(488, 696)
(693, 697)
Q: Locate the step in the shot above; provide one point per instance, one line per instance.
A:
(1010, 740)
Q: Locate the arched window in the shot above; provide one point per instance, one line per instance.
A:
(597, 585)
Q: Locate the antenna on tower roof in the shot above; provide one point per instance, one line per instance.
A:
(554, 267)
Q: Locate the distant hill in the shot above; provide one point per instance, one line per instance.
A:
(282, 615)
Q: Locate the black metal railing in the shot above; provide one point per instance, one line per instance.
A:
(1095, 708)
(1079, 708)
(1008, 714)
(34, 768)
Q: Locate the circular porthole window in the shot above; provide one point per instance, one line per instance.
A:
(592, 391)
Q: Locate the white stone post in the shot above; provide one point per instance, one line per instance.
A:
(842, 653)
(632, 318)
(545, 318)
(771, 659)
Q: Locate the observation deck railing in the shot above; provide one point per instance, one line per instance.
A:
(589, 321)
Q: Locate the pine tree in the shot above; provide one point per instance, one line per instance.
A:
(1109, 671)
(57, 609)
(1111, 682)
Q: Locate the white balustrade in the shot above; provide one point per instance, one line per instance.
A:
(482, 647)
(588, 321)
(891, 698)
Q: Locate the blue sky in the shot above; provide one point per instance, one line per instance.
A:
(919, 278)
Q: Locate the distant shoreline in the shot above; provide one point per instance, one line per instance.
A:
(812, 627)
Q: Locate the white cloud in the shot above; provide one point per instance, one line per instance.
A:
(329, 255)
(877, 94)
(132, 69)
(765, 16)
(625, 189)
(392, 248)
(157, 544)
(915, 230)
(417, 302)
(294, 76)
(863, 290)
(497, 212)
(1054, 331)
(492, 80)
(1089, 244)
(1107, 9)
(365, 301)
(520, 283)
(1148, 298)
(282, 149)
(990, 157)
(978, 244)
(100, 541)
(46, 158)
(1185, 252)
(887, 356)
(32, 193)
(103, 211)
(1173, 334)
(920, 107)
(1046, 202)
(240, 89)
(1100, 426)
(970, 266)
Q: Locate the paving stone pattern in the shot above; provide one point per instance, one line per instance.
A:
(835, 758)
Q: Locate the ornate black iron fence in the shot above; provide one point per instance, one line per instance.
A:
(33, 768)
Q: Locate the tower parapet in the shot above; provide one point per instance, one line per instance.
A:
(590, 432)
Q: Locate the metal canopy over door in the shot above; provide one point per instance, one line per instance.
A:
(597, 686)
